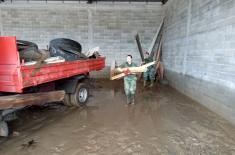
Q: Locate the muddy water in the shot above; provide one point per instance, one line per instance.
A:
(163, 121)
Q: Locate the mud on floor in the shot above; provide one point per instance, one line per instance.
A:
(163, 121)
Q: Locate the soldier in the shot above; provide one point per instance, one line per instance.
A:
(150, 73)
(129, 80)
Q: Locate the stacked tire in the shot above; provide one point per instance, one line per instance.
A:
(68, 49)
(29, 51)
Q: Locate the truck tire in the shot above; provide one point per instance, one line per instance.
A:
(67, 101)
(4, 131)
(30, 55)
(80, 96)
(22, 45)
(68, 49)
(28, 50)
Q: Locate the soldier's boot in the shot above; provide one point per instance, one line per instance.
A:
(151, 83)
(145, 83)
(128, 99)
(132, 99)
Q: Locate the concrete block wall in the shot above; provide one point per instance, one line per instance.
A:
(110, 26)
(199, 52)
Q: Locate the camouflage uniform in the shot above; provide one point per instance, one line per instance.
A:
(129, 83)
(150, 73)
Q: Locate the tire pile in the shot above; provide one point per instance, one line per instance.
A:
(69, 49)
(29, 51)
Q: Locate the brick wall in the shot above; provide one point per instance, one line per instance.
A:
(199, 52)
(110, 26)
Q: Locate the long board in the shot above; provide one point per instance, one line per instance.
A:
(131, 70)
(13, 101)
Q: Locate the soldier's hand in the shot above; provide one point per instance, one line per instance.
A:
(126, 71)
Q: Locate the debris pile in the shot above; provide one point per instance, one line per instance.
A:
(60, 50)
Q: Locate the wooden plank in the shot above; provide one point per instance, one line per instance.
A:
(159, 66)
(150, 50)
(13, 101)
(158, 53)
(119, 76)
(137, 38)
(132, 70)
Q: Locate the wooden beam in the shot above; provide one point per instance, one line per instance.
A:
(158, 52)
(137, 38)
(13, 101)
(132, 70)
(150, 50)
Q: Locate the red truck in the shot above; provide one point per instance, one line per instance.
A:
(22, 85)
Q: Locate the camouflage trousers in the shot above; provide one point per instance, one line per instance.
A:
(149, 74)
(129, 87)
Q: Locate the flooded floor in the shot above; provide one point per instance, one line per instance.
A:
(163, 121)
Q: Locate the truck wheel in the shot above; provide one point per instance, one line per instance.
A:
(67, 100)
(80, 96)
(4, 131)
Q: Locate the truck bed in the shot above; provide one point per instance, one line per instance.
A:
(14, 76)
